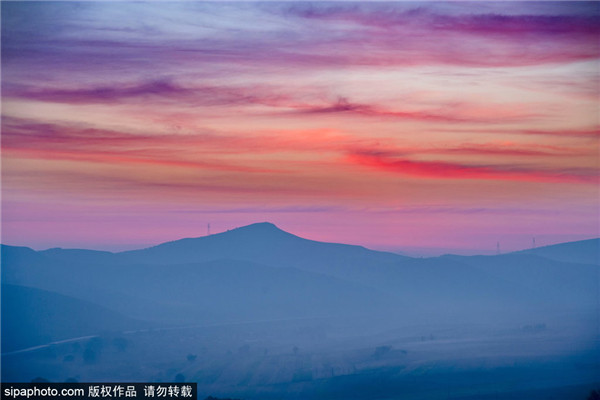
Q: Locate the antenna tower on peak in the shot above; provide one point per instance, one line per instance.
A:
(208, 229)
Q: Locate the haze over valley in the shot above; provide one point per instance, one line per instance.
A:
(257, 312)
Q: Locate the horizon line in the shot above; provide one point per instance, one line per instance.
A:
(407, 251)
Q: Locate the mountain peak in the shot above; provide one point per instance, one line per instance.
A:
(259, 229)
(262, 226)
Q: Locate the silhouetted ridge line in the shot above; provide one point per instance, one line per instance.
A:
(582, 251)
(253, 230)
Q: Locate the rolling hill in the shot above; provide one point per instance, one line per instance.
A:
(32, 317)
(260, 272)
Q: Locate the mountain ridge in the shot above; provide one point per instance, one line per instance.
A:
(580, 251)
(260, 272)
(274, 232)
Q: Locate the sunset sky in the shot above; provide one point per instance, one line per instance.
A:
(397, 126)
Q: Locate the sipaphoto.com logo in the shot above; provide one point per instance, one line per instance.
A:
(97, 390)
(35, 391)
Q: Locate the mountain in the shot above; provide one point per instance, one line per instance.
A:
(259, 272)
(583, 252)
(260, 308)
(263, 243)
(13, 257)
(233, 290)
(562, 283)
(79, 256)
(32, 317)
(218, 290)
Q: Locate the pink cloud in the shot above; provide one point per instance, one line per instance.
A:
(447, 170)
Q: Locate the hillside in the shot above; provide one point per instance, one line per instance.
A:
(32, 317)
(260, 272)
(583, 252)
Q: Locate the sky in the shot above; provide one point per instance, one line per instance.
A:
(416, 127)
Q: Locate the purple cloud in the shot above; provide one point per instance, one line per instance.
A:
(155, 91)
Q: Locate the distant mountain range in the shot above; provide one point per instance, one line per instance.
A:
(259, 272)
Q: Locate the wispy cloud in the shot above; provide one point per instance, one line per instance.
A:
(450, 170)
(440, 209)
(279, 100)
(50, 141)
(509, 149)
(322, 36)
(264, 209)
(205, 150)
(449, 113)
(343, 105)
(429, 16)
(421, 34)
(583, 133)
(155, 91)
